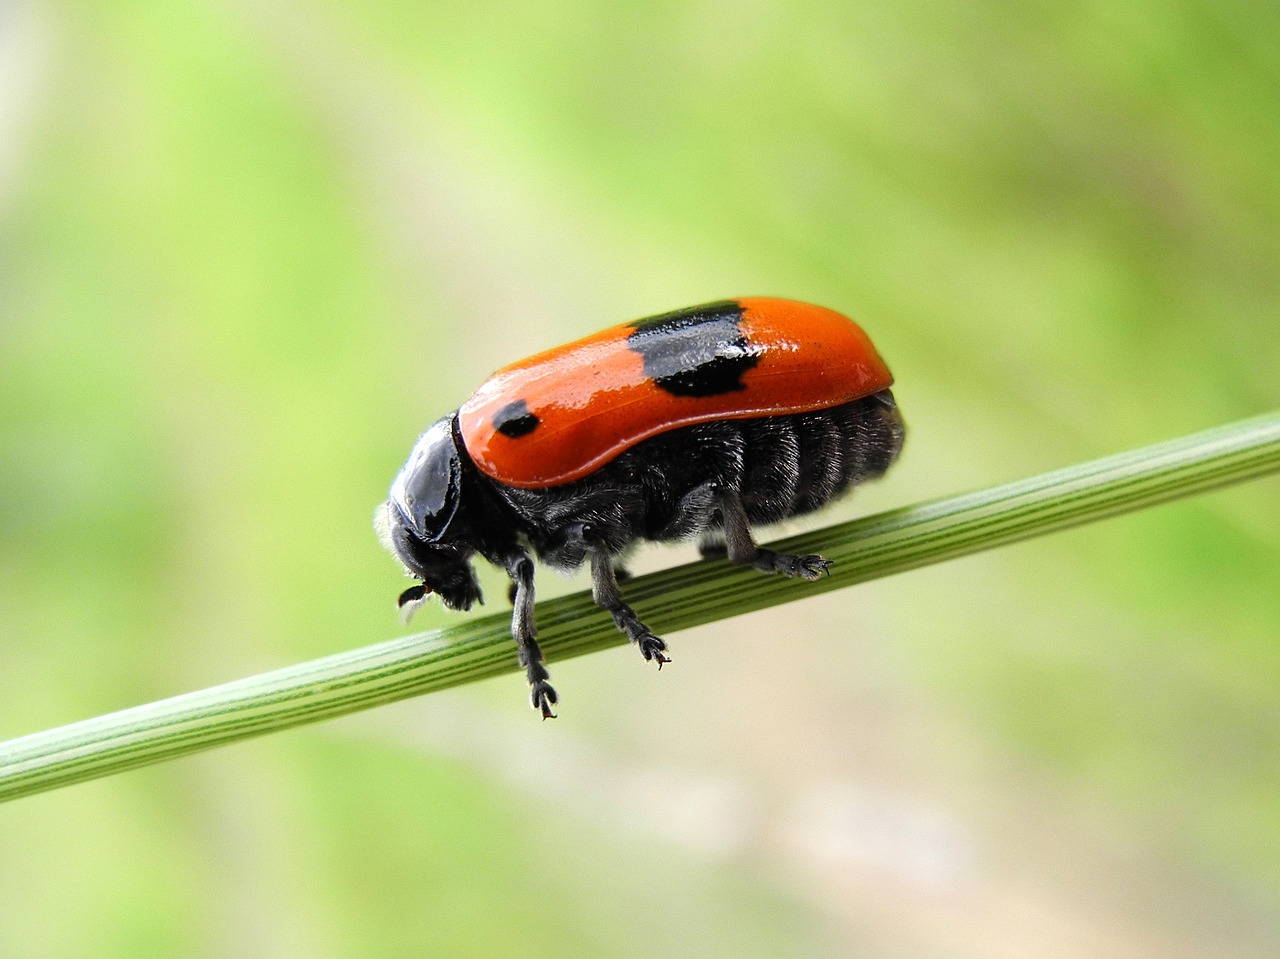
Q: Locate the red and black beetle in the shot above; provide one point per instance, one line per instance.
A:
(701, 422)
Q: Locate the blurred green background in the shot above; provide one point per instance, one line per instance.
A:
(249, 250)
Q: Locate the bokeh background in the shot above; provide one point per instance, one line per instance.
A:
(248, 250)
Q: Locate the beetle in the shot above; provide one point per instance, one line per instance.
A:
(702, 422)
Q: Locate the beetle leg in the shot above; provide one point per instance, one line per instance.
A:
(541, 693)
(712, 545)
(607, 595)
(742, 548)
(620, 572)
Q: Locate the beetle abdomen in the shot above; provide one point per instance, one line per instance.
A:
(798, 464)
(780, 466)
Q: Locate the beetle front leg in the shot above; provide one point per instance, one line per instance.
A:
(541, 693)
(741, 548)
(607, 595)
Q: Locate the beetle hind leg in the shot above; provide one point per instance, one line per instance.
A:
(742, 549)
(607, 595)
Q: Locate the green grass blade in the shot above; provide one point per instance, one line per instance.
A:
(673, 599)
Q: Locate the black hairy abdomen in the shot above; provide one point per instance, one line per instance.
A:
(664, 488)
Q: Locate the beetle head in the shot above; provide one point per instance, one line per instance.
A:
(416, 523)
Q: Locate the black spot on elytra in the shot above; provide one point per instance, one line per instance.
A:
(515, 420)
(699, 351)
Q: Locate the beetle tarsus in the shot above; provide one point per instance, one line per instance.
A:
(810, 567)
(542, 695)
(651, 647)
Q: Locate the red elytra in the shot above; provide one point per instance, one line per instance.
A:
(592, 399)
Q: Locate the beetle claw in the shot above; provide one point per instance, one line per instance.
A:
(543, 696)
